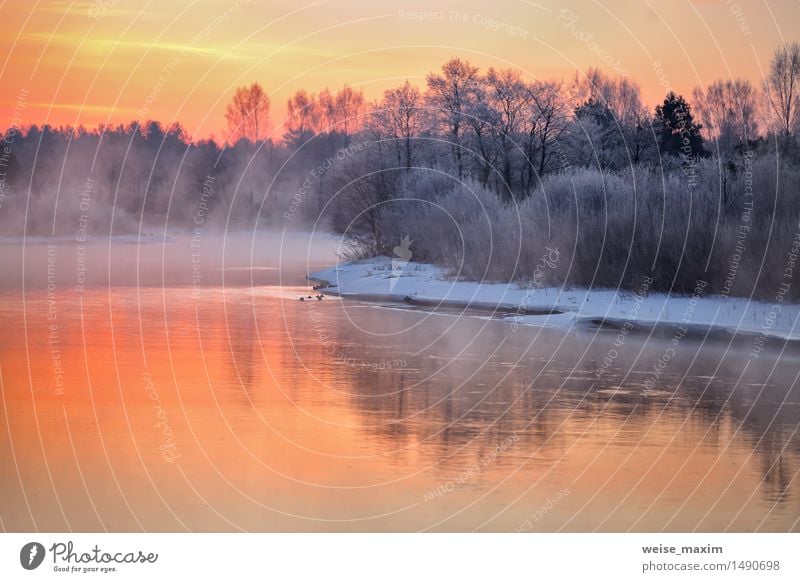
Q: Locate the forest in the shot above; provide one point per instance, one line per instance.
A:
(485, 172)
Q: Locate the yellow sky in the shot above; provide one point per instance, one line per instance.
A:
(112, 61)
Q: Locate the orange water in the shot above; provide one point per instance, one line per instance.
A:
(230, 407)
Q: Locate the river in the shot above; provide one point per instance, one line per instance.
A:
(172, 387)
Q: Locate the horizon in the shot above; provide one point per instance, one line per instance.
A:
(69, 62)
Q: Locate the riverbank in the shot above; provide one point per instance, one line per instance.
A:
(392, 280)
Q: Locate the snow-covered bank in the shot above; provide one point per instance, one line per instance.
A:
(385, 279)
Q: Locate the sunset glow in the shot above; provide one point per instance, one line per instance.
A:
(400, 267)
(112, 62)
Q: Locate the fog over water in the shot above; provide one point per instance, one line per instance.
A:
(156, 259)
(151, 399)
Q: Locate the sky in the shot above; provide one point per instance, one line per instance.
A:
(113, 61)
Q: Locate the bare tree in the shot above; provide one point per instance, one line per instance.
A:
(300, 113)
(507, 99)
(348, 108)
(626, 133)
(639, 137)
(549, 115)
(479, 139)
(248, 114)
(325, 111)
(622, 96)
(728, 111)
(400, 118)
(449, 94)
(782, 88)
(361, 196)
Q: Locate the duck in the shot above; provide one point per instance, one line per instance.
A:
(302, 299)
(319, 297)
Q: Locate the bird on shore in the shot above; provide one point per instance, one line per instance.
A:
(319, 297)
(302, 299)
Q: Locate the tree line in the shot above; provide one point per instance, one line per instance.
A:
(517, 148)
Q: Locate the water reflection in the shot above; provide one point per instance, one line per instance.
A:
(332, 415)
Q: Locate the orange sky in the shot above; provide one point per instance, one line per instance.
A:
(78, 62)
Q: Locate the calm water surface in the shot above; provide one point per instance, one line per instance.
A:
(145, 402)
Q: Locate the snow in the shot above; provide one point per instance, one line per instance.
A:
(386, 279)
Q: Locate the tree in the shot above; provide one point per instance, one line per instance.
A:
(325, 113)
(400, 118)
(677, 131)
(621, 96)
(301, 114)
(595, 135)
(507, 100)
(348, 108)
(728, 111)
(548, 120)
(640, 142)
(362, 194)
(632, 130)
(782, 88)
(248, 114)
(449, 94)
(479, 139)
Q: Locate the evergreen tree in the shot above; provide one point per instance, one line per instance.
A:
(678, 133)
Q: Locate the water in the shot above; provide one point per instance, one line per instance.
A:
(149, 402)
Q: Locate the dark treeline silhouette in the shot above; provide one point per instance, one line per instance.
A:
(122, 178)
(483, 171)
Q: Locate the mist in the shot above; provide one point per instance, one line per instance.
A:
(237, 258)
(143, 178)
(484, 170)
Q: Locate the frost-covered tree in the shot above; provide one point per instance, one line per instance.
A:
(595, 138)
(507, 100)
(728, 111)
(783, 87)
(400, 118)
(449, 96)
(548, 118)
